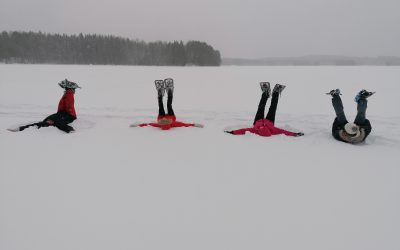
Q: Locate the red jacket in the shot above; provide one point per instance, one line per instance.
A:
(174, 123)
(66, 103)
(263, 127)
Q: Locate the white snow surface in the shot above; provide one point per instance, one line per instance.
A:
(109, 186)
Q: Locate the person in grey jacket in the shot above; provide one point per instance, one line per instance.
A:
(356, 131)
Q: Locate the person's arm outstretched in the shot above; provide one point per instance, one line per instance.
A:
(285, 132)
(144, 124)
(238, 131)
(182, 124)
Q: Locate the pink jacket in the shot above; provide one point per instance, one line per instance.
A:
(67, 103)
(174, 123)
(263, 127)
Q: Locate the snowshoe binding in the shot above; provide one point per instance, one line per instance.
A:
(278, 88)
(363, 94)
(334, 92)
(68, 85)
(265, 88)
(160, 87)
(169, 85)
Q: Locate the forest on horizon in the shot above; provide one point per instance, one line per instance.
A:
(42, 48)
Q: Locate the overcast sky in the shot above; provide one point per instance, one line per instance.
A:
(246, 28)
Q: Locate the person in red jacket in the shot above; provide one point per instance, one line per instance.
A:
(166, 121)
(65, 113)
(266, 127)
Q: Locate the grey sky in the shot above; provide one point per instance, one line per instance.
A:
(247, 28)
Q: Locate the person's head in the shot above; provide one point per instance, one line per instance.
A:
(352, 129)
(164, 121)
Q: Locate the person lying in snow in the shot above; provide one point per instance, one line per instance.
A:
(166, 121)
(266, 127)
(345, 131)
(65, 113)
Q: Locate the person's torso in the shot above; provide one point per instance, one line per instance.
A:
(174, 123)
(263, 127)
(339, 133)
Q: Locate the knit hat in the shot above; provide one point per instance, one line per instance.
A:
(352, 129)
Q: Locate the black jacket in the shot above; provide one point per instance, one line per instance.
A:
(338, 128)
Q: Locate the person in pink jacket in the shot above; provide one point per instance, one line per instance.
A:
(266, 127)
(166, 121)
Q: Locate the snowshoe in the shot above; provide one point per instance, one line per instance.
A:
(334, 92)
(363, 94)
(265, 88)
(278, 88)
(160, 87)
(68, 85)
(169, 85)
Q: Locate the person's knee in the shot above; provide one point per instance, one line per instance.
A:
(339, 124)
(366, 124)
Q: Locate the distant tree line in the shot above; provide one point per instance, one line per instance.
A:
(315, 60)
(33, 47)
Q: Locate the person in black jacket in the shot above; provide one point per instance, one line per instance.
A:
(345, 131)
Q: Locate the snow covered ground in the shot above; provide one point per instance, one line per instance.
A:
(108, 186)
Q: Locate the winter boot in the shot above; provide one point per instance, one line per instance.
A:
(160, 87)
(278, 88)
(334, 92)
(265, 88)
(169, 85)
(363, 94)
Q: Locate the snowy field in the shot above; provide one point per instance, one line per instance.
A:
(111, 187)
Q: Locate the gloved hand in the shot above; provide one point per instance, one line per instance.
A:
(229, 132)
(134, 125)
(197, 125)
(299, 134)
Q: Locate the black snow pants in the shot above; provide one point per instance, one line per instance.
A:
(161, 110)
(272, 109)
(341, 120)
(59, 120)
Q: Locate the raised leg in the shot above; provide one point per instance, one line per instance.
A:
(169, 102)
(272, 109)
(361, 111)
(339, 110)
(161, 110)
(261, 108)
